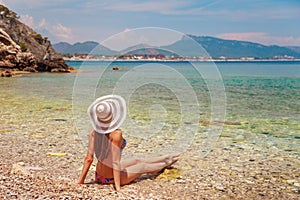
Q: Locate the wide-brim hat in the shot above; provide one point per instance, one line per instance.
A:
(107, 113)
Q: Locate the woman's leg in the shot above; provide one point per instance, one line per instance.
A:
(133, 168)
(134, 171)
(168, 159)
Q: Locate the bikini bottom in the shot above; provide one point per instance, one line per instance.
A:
(102, 180)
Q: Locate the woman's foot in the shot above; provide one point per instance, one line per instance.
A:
(169, 161)
(172, 159)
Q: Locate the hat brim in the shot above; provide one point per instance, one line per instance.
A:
(119, 114)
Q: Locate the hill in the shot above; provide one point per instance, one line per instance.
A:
(294, 48)
(237, 49)
(145, 49)
(25, 50)
(189, 46)
(83, 48)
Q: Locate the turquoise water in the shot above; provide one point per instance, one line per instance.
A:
(261, 98)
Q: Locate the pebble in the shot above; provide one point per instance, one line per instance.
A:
(19, 169)
(239, 138)
(265, 133)
(290, 182)
(296, 190)
(297, 184)
(226, 172)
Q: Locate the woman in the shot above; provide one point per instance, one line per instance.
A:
(106, 114)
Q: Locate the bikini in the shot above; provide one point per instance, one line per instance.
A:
(123, 145)
(103, 180)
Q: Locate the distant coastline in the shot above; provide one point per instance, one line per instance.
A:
(197, 47)
(112, 58)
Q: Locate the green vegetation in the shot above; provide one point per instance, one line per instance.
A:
(23, 46)
(39, 38)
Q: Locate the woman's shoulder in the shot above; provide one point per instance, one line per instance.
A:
(116, 135)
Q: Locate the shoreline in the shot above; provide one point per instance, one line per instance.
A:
(43, 159)
(255, 157)
(178, 60)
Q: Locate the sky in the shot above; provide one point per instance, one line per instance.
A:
(270, 22)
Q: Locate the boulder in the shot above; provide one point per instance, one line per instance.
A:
(11, 55)
(6, 73)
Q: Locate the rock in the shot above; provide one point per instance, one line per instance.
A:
(225, 134)
(239, 138)
(59, 70)
(11, 73)
(265, 133)
(29, 69)
(290, 182)
(297, 184)
(116, 68)
(18, 168)
(11, 54)
(6, 73)
(220, 188)
(26, 60)
(23, 49)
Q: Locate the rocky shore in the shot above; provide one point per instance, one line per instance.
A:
(24, 50)
(42, 155)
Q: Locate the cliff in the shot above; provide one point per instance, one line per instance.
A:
(22, 49)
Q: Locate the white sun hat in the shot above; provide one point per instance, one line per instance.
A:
(107, 113)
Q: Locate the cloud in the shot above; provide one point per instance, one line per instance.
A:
(152, 36)
(167, 7)
(127, 30)
(61, 32)
(2, 2)
(263, 38)
(57, 31)
(164, 7)
(217, 8)
(28, 20)
(36, 3)
(172, 7)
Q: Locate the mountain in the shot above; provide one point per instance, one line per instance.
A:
(294, 48)
(25, 50)
(62, 47)
(145, 49)
(216, 48)
(88, 47)
(186, 47)
(189, 46)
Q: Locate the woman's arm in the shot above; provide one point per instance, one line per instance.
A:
(88, 159)
(117, 140)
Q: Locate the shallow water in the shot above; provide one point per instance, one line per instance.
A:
(262, 99)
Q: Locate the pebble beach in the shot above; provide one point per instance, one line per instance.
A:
(42, 155)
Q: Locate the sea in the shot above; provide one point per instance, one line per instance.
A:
(258, 100)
